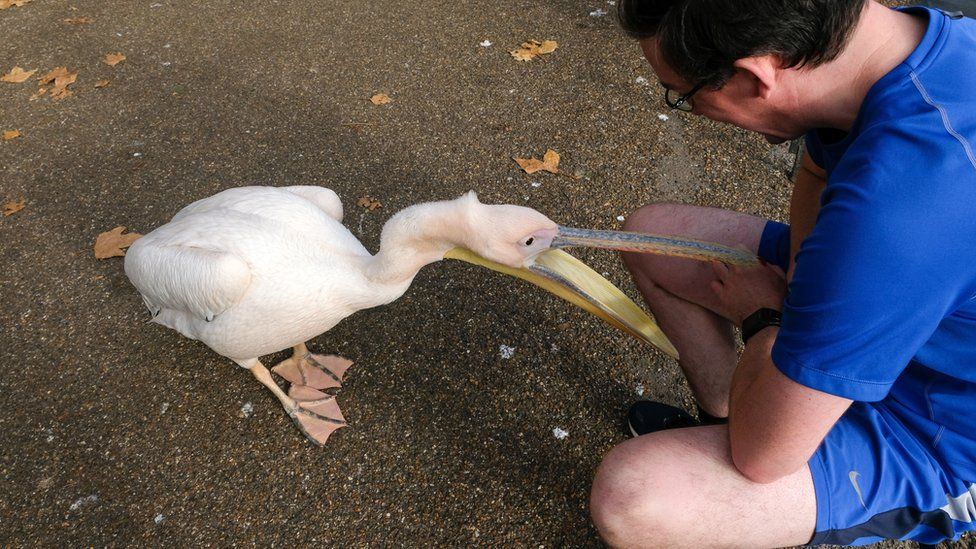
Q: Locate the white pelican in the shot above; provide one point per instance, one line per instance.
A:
(254, 270)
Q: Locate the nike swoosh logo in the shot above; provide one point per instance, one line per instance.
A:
(853, 476)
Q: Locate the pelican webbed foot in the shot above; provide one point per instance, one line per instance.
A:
(311, 370)
(316, 414)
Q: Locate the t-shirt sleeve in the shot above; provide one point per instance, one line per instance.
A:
(872, 282)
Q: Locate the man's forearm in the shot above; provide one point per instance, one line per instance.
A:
(775, 424)
(748, 432)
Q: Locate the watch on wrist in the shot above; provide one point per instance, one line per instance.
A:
(763, 318)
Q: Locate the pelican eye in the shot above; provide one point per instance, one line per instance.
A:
(529, 241)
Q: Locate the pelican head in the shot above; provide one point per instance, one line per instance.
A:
(519, 241)
(503, 233)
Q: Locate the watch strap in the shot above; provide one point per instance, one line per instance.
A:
(763, 318)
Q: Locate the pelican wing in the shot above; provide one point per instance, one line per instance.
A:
(196, 280)
(298, 206)
(325, 199)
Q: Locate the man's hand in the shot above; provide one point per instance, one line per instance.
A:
(743, 290)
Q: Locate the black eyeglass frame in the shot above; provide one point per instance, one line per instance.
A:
(682, 102)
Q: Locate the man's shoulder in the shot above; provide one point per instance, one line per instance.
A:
(932, 88)
(926, 130)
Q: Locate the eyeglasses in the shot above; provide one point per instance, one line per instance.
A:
(681, 102)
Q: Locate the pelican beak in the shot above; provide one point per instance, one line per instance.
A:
(652, 244)
(569, 278)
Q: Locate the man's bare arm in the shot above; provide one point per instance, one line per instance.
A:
(775, 424)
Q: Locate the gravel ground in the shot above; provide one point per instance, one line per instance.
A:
(119, 432)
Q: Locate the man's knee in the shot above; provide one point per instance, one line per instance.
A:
(657, 217)
(652, 218)
(664, 218)
(627, 501)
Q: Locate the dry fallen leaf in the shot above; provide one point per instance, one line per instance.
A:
(4, 4)
(547, 46)
(37, 95)
(11, 134)
(101, 83)
(53, 75)
(78, 20)
(380, 99)
(14, 206)
(549, 163)
(533, 48)
(369, 203)
(60, 92)
(111, 243)
(523, 55)
(62, 79)
(113, 59)
(17, 75)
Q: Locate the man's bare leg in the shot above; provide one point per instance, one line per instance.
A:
(678, 293)
(679, 488)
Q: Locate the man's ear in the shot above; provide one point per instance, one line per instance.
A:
(762, 71)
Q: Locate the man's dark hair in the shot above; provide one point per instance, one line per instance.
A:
(701, 39)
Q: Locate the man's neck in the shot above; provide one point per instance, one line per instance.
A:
(882, 39)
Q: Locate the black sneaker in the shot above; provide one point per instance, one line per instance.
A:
(646, 416)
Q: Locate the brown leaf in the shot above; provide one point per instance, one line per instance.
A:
(112, 243)
(549, 163)
(522, 55)
(14, 206)
(37, 95)
(78, 20)
(62, 79)
(551, 158)
(530, 165)
(17, 75)
(547, 46)
(4, 4)
(11, 134)
(65, 80)
(533, 48)
(101, 83)
(60, 93)
(380, 99)
(51, 76)
(113, 59)
(369, 203)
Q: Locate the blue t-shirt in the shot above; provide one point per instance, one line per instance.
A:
(882, 305)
